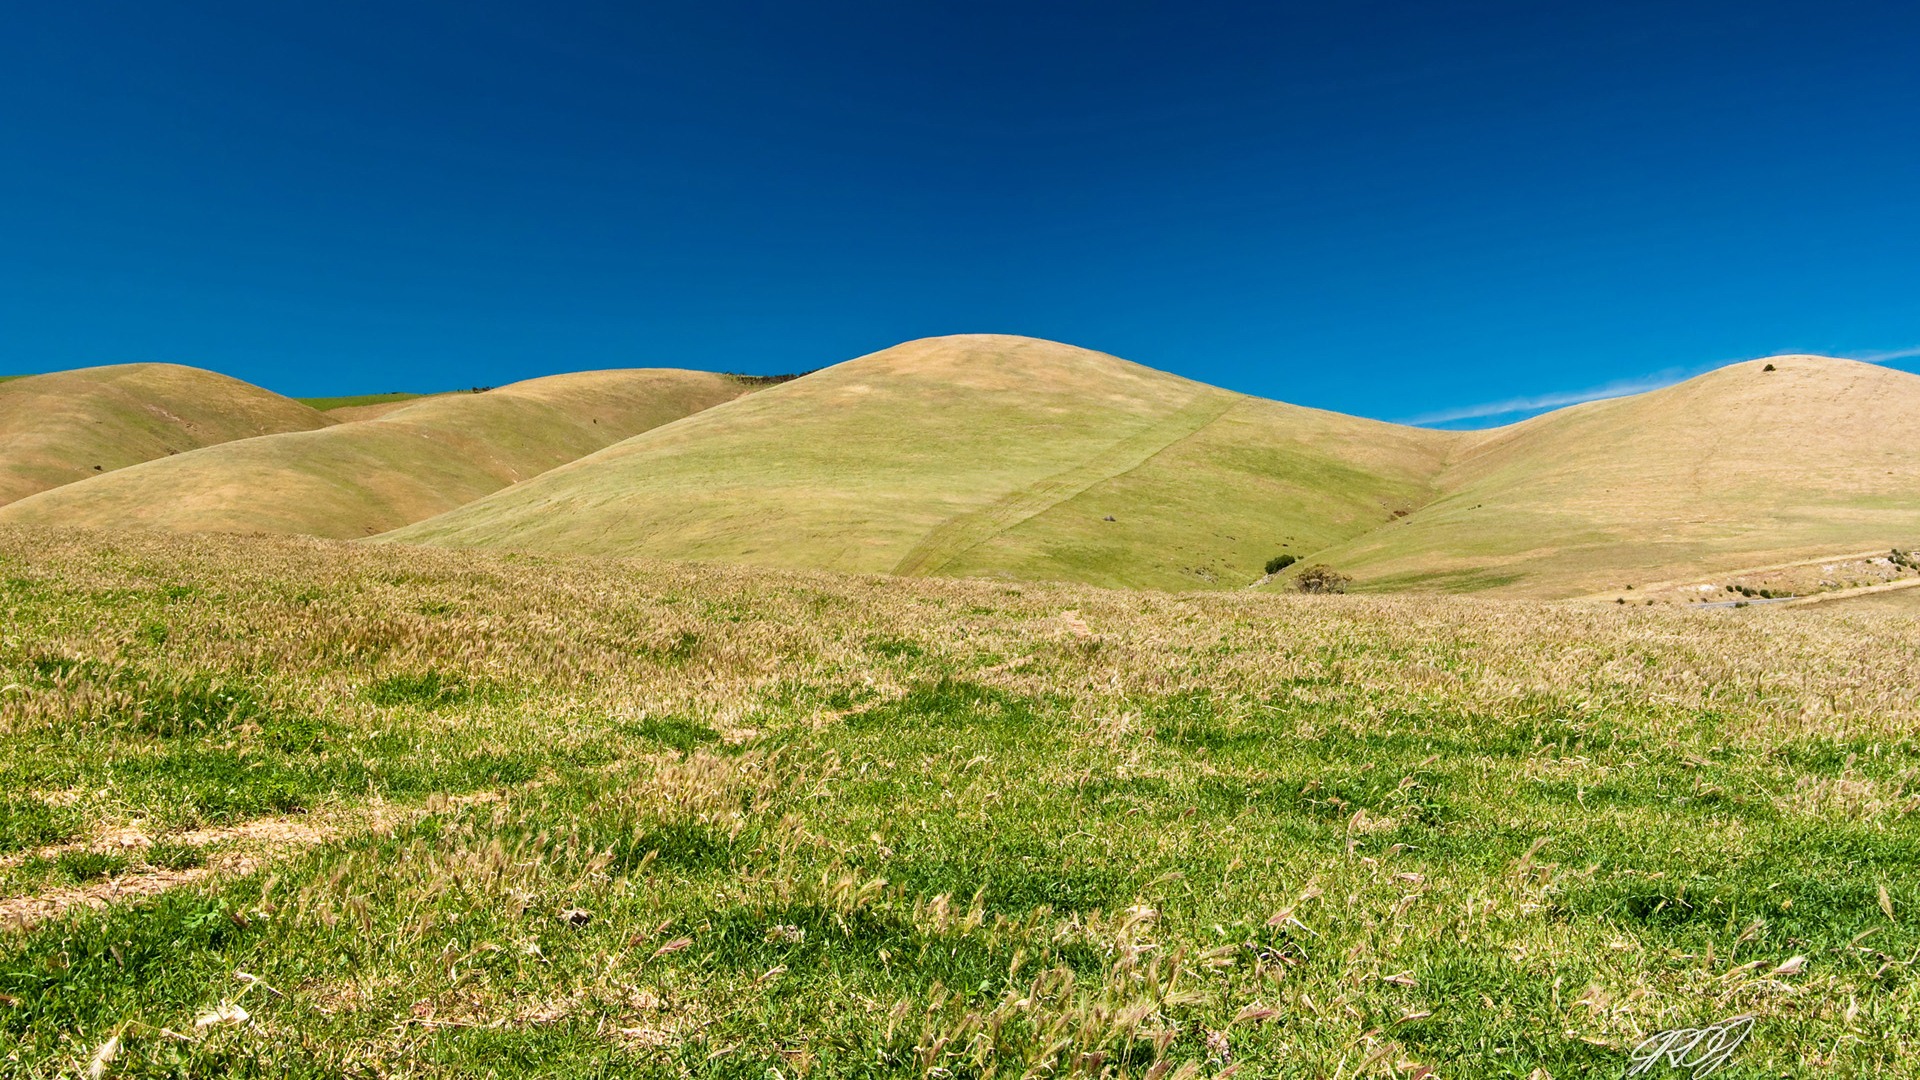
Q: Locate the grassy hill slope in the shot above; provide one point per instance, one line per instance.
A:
(362, 406)
(1262, 479)
(974, 454)
(71, 425)
(365, 477)
(1739, 467)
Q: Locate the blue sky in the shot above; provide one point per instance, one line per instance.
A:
(1402, 210)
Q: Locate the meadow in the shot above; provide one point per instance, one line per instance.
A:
(301, 808)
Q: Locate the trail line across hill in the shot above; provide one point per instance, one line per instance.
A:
(1677, 583)
(965, 531)
(1843, 594)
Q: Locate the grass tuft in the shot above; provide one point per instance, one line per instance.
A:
(427, 690)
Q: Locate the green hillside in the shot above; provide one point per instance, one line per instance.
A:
(354, 401)
(360, 478)
(71, 425)
(975, 455)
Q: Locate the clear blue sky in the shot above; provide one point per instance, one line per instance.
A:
(1395, 209)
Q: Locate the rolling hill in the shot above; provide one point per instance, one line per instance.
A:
(976, 455)
(1000, 456)
(1008, 457)
(71, 425)
(364, 477)
(1755, 463)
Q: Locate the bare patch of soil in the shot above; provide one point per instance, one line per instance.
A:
(254, 843)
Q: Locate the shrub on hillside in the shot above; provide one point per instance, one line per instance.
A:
(1279, 563)
(1322, 579)
(771, 380)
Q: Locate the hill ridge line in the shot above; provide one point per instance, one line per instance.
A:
(963, 532)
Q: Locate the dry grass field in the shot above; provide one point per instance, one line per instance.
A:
(412, 460)
(302, 808)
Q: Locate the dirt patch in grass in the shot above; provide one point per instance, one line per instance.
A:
(245, 847)
(23, 912)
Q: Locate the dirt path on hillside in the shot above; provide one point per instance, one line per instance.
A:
(1848, 594)
(1607, 595)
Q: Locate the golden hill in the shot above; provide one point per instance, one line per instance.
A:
(363, 477)
(1743, 466)
(72, 425)
(976, 454)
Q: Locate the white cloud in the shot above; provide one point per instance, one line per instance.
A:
(1889, 356)
(1543, 402)
(1520, 407)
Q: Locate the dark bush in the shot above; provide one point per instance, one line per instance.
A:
(1322, 579)
(1279, 563)
(765, 380)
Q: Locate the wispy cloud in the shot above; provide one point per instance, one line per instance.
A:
(1521, 407)
(1887, 357)
(1542, 402)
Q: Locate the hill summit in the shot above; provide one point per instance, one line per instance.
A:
(71, 425)
(974, 454)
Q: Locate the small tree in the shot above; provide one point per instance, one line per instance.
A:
(1322, 579)
(1279, 563)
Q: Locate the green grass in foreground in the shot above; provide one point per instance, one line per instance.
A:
(643, 819)
(325, 404)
